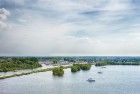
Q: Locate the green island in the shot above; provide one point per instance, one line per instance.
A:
(58, 71)
(78, 67)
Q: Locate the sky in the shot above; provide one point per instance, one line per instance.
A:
(69, 27)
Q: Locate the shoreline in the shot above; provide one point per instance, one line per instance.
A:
(41, 69)
(33, 71)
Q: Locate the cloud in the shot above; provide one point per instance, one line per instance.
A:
(12, 3)
(3, 17)
(2, 25)
(70, 27)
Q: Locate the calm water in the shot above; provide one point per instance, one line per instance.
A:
(114, 80)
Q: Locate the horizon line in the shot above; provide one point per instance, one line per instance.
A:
(76, 56)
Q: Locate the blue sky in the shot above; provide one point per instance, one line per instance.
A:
(69, 27)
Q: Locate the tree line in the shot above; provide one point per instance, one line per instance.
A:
(12, 64)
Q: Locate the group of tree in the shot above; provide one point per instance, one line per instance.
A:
(78, 67)
(12, 64)
(103, 63)
(58, 71)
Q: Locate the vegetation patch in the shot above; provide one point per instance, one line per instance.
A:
(102, 63)
(85, 66)
(124, 63)
(78, 67)
(75, 68)
(58, 71)
(12, 64)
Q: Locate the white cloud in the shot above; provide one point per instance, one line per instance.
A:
(50, 28)
(2, 25)
(3, 17)
(118, 5)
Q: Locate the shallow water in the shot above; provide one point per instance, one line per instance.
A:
(113, 80)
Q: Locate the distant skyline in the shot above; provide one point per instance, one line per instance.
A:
(69, 27)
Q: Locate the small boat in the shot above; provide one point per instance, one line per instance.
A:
(91, 80)
(103, 67)
(100, 72)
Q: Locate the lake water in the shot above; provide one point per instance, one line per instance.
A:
(113, 80)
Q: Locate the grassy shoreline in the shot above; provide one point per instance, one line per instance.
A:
(34, 71)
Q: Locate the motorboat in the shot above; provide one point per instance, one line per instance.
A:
(100, 72)
(91, 80)
(103, 67)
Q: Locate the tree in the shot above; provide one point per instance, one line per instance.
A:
(58, 71)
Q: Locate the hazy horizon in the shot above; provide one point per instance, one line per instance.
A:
(70, 56)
